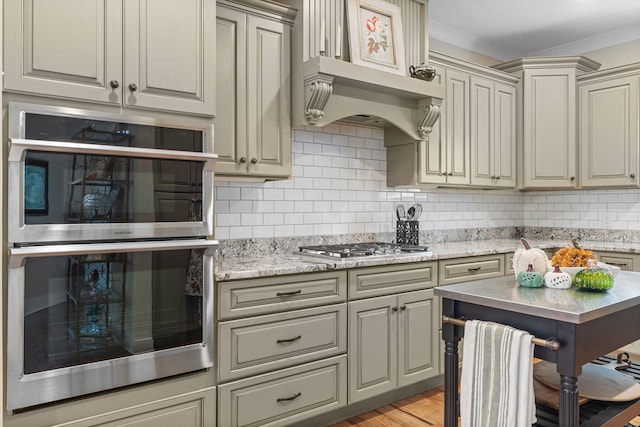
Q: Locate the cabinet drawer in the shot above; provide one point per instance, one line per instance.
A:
(629, 262)
(284, 397)
(472, 268)
(508, 263)
(271, 294)
(260, 344)
(391, 279)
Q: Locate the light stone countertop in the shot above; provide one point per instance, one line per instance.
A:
(253, 265)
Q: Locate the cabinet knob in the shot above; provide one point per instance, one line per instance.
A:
(243, 160)
(403, 308)
(133, 87)
(394, 309)
(254, 160)
(450, 174)
(114, 84)
(632, 176)
(498, 177)
(573, 178)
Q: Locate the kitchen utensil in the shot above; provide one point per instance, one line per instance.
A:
(410, 213)
(417, 211)
(401, 213)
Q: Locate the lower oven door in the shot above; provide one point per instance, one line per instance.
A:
(85, 318)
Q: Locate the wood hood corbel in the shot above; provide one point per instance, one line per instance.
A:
(339, 90)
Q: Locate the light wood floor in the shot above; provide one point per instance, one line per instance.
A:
(422, 410)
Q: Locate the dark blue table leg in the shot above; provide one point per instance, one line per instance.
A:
(451, 407)
(569, 408)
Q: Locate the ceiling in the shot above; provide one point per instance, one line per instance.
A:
(511, 29)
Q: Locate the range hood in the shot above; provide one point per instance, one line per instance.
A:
(334, 90)
(327, 87)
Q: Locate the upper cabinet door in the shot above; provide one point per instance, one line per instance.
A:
(231, 75)
(482, 132)
(169, 51)
(72, 49)
(432, 152)
(504, 140)
(269, 113)
(550, 128)
(609, 132)
(457, 122)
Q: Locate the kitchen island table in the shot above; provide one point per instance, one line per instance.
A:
(587, 325)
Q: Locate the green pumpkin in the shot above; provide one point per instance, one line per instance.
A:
(594, 280)
(530, 278)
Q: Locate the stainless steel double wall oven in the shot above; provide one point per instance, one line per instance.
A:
(110, 278)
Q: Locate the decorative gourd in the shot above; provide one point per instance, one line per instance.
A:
(594, 279)
(573, 257)
(534, 256)
(530, 278)
(557, 279)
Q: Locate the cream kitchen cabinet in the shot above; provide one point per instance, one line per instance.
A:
(493, 133)
(392, 337)
(626, 261)
(253, 78)
(442, 159)
(154, 54)
(281, 347)
(184, 401)
(459, 270)
(609, 129)
(547, 141)
(284, 397)
(473, 142)
(392, 342)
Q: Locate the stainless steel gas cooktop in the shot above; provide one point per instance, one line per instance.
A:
(351, 250)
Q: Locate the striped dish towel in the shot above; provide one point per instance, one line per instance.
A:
(496, 387)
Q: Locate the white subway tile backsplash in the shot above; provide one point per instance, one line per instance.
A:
(227, 193)
(364, 132)
(338, 186)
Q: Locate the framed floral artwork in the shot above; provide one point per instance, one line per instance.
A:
(375, 35)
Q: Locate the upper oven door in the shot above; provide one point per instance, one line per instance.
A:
(76, 175)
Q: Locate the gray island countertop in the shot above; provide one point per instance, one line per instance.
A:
(567, 305)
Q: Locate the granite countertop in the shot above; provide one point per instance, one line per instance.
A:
(567, 305)
(253, 265)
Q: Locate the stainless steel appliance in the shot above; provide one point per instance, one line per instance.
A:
(366, 249)
(110, 279)
(80, 175)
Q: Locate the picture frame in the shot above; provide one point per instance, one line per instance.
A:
(36, 187)
(375, 35)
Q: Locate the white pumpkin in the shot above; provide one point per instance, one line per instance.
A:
(528, 255)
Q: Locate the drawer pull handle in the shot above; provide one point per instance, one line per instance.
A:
(289, 339)
(287, 399)
(286, 294)
(618, 264)
(474, 269)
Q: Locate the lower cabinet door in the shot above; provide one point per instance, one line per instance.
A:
(283, 397)
(417, 337)
(372, 347)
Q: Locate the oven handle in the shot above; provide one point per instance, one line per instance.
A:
(17, 256)
(18, 148)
